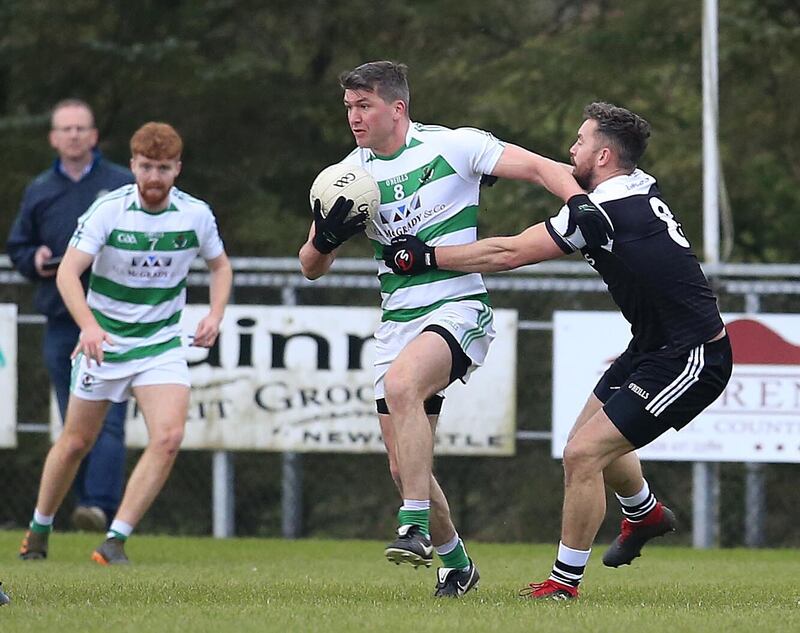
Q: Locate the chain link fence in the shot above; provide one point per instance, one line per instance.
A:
(352, 496)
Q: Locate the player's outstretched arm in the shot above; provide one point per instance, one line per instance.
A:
(408, 255)
(520, 164)
(517, 163)
(494, 254)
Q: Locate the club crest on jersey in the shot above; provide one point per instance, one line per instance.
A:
(180, 241)
(427, 174)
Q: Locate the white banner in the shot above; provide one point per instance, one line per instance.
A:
(756, 419)
(8, 375)
(300, 379)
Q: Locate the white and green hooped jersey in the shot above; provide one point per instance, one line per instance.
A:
(429, 188)
(137, 286)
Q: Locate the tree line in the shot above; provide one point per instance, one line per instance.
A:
(253, 89)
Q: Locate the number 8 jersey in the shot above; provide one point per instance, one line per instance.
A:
(429, 188)
(649, 267)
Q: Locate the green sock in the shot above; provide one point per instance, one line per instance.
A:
(420, 518)
(117, 535)
(456, 559)
(39, 528)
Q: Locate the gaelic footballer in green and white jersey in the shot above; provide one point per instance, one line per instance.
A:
(429, 188)
(137, 286)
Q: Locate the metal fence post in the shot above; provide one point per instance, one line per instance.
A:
(222, 494)
(292, 495)
(291, 468)
(754, 505)
(705, 501)
(754, 488)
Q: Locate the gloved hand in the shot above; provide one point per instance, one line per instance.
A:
(487, 180)
(409, 255)
(594, 226)
(336, 228)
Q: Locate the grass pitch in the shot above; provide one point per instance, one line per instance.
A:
(194, 585)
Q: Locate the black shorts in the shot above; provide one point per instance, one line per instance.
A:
(645, 394)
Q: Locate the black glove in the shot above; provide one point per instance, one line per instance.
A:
(487, 180)
(594, 226)
(333, 230)
(409, 255)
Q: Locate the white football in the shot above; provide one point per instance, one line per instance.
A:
(350, 181)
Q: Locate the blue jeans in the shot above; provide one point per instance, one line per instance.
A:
(102, 472)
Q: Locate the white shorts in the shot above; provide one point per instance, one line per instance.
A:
(470, 322)
(114, 381)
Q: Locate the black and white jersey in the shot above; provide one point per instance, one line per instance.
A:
(649, 267)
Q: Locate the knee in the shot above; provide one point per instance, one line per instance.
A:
(75, 446)
(167, 441)
(578, 460)
(400, 394)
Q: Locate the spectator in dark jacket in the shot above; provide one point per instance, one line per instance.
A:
(48, 214)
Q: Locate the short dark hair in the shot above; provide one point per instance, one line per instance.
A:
(389, 80)
(625, 131)
(72, 102)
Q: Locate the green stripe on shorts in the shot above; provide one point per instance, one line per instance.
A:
(479, 330)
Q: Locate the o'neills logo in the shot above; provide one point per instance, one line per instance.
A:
(639, 391)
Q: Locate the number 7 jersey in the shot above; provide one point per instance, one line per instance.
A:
(649, 267)
(137, 287)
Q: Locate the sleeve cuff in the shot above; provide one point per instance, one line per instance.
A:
(563, 244)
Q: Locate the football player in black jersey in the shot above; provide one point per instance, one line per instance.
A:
(676, 364)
